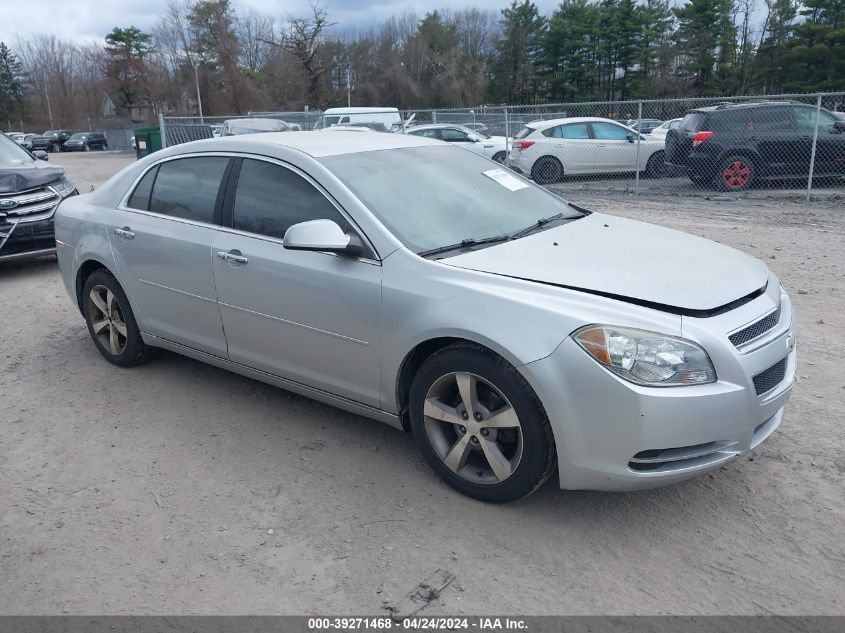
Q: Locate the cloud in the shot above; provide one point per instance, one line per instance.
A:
(89, 20)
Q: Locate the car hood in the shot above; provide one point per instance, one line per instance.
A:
(29, 175)
(628, 260)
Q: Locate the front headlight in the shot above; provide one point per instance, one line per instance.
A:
(647, 358)
(64, 187)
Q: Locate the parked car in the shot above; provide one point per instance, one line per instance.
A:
(86, 141)
(56, 139)
(33, 142)
(644, 126)
(493, 147)
(235, 127)
(549, 150)
(512, 332)
(390, 117)
(661, 130)
(30, 191)
(736, 145)
(15, 136)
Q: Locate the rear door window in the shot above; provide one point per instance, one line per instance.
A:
(140, 198)
(187, 188)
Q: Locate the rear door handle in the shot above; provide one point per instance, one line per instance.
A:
(233, 257)
(126, 233)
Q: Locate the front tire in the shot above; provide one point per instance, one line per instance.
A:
(656, 165)
(547, 170)
(111, 322)
(499, 157)
(480, 425)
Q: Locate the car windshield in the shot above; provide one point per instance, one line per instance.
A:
(256, 127)
(12, 154)
(435, 196)
(77, 137)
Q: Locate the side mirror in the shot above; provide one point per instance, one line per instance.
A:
(321, 235)
(630, 137)
(40, 154)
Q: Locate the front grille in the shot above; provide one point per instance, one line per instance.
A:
(770, 378)
(28, 202)
(756, 329)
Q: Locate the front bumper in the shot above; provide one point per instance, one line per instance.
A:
(25, 239)
(614, 435)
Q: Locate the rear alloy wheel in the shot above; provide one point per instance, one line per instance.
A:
(656, 165)
(499, 157)
(547, 170)
(736, 173)
(480, 425)
(111, 322)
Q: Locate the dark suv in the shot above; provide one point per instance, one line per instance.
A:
(85, 141)
(56, 139)
(30, 191)
(732, 146)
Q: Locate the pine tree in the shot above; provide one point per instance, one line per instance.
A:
(12, 87)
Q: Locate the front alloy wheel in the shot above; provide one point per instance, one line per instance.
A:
(480, 425)
(473, 428)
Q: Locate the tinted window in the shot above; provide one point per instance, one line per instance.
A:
(610, 132)
(140, 198)
(694, 122)
(773, 119)
(187, 188)
(270, 198)
(425, 133)
(454, 136)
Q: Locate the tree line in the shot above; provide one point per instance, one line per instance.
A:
(210, 55)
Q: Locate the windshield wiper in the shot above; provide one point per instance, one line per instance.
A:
(537, 225)
(467, 243)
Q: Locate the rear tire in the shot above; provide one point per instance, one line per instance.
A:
(547, 170)
(111, 322)
(736, 173)
(499, 157)
(500, 451)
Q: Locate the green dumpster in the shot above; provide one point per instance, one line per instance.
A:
(147, 140)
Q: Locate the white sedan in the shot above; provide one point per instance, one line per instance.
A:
(493, 147)
(662, 130)
(548, 150)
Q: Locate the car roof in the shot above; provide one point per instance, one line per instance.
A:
(316, 144)
(360, 110)
(439, 126)
(747, 104)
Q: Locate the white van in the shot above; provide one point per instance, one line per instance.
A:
(345, 116)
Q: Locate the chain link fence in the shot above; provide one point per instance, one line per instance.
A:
(792, 145)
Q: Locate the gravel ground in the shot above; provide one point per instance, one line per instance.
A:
(178, 488)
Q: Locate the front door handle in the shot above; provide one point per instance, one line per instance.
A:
(233, 257)
(126, 233)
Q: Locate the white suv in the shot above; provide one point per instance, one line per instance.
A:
(548, 150)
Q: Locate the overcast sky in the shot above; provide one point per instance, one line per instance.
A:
(86, 20)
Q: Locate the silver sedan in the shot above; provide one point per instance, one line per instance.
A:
(516, 335)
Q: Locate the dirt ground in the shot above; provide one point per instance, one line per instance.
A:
(178, 488)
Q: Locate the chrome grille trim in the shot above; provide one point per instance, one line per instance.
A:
(32, 201)
(756, 329)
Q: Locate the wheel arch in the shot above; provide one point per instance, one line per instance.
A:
(85, 270)
(423, 350)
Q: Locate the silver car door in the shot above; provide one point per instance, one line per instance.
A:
(162, 238)
(312, 317)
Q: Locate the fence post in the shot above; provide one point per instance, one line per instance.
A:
(813, 151)
(507, 140)
(639, 135)
(161, 130)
